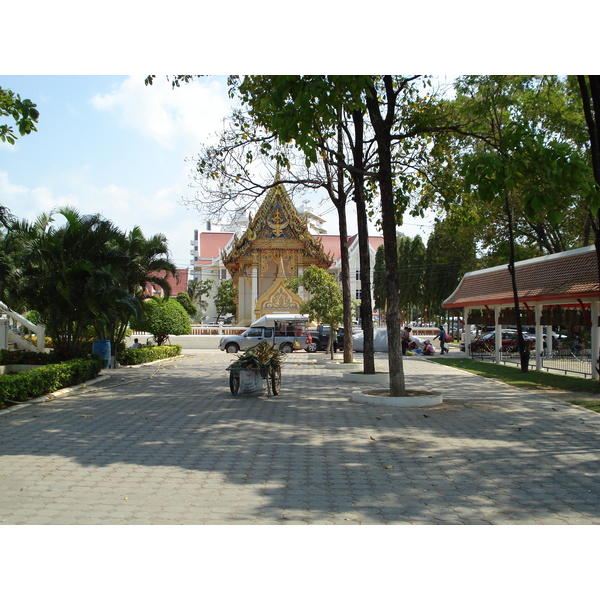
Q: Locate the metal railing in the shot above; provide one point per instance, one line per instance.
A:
(565, 360)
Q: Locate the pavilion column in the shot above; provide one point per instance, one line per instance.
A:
(498, 330)
(539, 338)
(595, 306)
(254, 292)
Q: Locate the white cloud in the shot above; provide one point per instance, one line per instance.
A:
(158, 212)
(188, 114)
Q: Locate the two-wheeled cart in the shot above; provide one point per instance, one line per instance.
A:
(272, 376)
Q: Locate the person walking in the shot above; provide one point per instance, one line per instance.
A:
(442, 335)
(405, 335)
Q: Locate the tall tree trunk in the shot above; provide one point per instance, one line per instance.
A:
(523, 351)
(363, 244)
(591, 110)
(382, 129)
(344, 255)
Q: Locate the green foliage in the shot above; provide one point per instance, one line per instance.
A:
(25, 357)
(225, 298)
(23, 112)
(326, 302)
(379, 279)
(47, 379)
(131, 356)
(163, 317)
(184, 299)
(411, 267)
(81, 276)
(261, 356)
(450, 254)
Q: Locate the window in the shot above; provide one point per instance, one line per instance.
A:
(223, 274)
(357, 294)
(357, 274)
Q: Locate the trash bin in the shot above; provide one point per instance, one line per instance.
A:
(102, 349)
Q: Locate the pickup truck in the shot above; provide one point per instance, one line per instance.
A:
(282, 330)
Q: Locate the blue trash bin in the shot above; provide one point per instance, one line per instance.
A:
(102, 349)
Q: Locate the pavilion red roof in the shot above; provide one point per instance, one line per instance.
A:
(567, 276)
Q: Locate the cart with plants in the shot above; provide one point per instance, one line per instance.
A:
(262, 361)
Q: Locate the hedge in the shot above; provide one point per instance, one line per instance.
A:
(48, 379)
(24, 357)
(147, 354)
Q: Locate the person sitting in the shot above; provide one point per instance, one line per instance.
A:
(428, 349)
(136, 344)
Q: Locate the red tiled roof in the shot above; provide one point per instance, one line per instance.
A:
(210, 244)
(331, 243)
(567, 275)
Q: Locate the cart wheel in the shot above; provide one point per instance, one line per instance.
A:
(276, 381)
(234, 382)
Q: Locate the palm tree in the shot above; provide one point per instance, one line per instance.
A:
(141, 260)
(65, 271)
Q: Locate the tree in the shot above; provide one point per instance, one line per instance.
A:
(449, 255)
(25, 115)
(184, 299)
(590, 97)
(411, 264)
(512, 162)
(65, 272)
(163, 317)
(326, 304)
(225, 298)
(142, 260)
(379, 280)
(197, 290)
(83, 276)
(225, 174)
(23, 112)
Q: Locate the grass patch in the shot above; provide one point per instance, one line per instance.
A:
(533, 380)
(593, 405)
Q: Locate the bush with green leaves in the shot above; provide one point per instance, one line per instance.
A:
(46, 379)
(163, 317)
(138, 356)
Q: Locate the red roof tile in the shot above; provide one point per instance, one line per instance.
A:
(566, 275)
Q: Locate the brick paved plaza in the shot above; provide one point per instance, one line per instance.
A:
(168, 444)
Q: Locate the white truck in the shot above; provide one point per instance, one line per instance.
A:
(286, 331)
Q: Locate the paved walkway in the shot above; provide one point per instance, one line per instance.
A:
(169, 444)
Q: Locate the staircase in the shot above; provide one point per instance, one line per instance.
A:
(11, 331)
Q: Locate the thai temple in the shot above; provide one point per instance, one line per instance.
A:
(260, 253)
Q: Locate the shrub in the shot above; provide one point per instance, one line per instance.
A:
(161, 318)
(24, 357)
(47, 379)
(147, 354)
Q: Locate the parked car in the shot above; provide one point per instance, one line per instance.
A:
(510, 341)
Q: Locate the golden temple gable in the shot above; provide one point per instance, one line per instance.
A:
(276, 246)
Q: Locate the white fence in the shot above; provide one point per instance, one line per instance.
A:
(219, 330)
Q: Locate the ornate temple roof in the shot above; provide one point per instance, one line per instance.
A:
(276, 219)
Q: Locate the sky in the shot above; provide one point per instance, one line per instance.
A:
(109, 144)
(114, 146)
